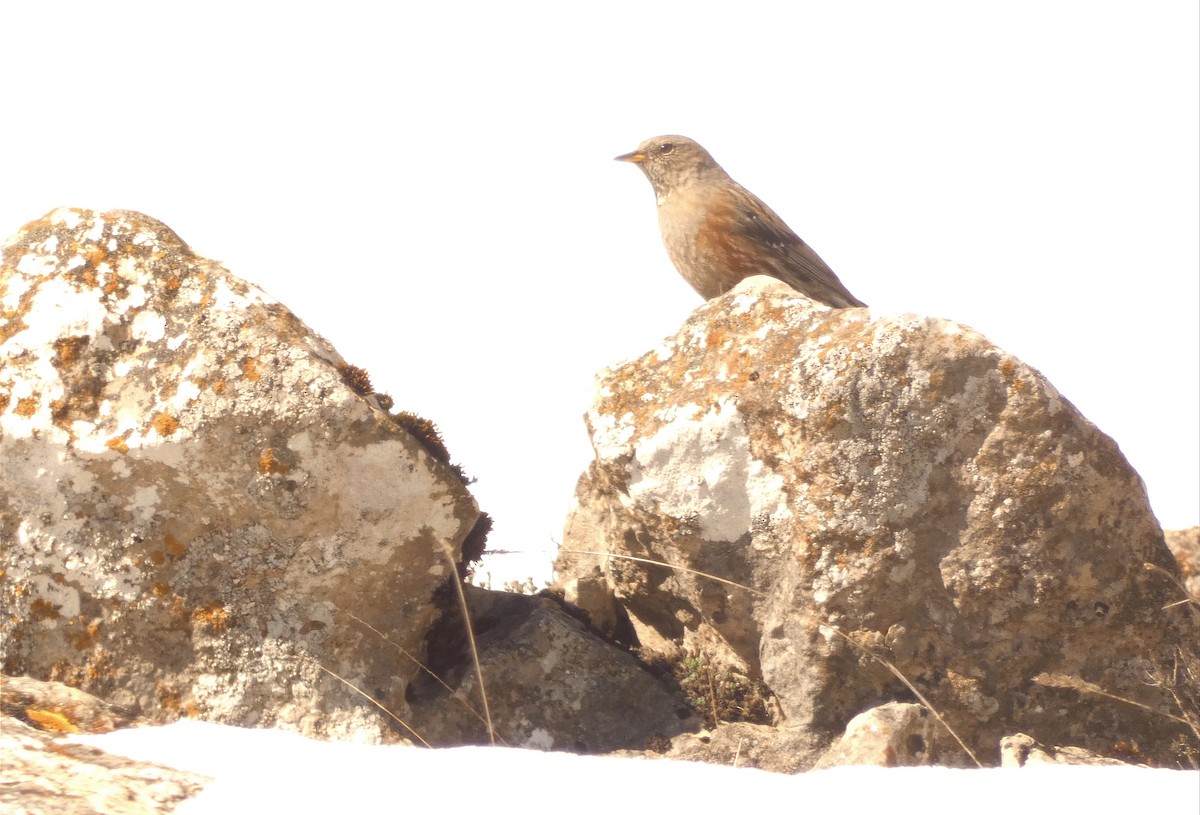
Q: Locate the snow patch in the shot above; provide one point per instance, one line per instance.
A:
(274, 771)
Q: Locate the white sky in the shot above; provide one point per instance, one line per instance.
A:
(430, 186)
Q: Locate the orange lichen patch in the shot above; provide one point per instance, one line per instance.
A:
(715, 339)
(11, 322)
(67, 349)
(173, 283)
(158, 557)
(26, 406)
(117, 443)
(1008, 372)
(85, 274)
(218, 386)
(168, 698)
(250, 369)
(174, 547)
(355, 378)
(4, 400)
(160, 589)
(165, 424)
(85, 639)
(50, 720)
(212, 617)
(95, 254)
(268, 463)
(42, 609)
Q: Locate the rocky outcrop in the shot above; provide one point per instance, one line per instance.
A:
(1025, 751)
(40, 775)
(205, 511)
(837, 496)
(57, 708)
(196, 491)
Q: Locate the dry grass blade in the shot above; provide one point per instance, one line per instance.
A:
(422, 666)
(920, 696)
(1063, 681)
(1188, 597)
(373, 701)
(667, 565)
(466, 610)
(1183, 684)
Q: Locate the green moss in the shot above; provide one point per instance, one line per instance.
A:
(719, 693)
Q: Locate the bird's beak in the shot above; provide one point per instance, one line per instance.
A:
(636, 157)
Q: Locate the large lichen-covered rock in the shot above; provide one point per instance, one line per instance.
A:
(193, 497)
(896, 480)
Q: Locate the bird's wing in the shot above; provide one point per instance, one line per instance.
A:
(793, 261)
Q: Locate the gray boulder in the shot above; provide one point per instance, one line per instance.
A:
(831, 489)
(553, 683)
(196, 491)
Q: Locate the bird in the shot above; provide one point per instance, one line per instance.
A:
(718, 233)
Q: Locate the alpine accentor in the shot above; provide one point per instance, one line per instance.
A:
(718, 233)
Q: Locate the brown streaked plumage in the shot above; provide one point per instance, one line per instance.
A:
(717, 232)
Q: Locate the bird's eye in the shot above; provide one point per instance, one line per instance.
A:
(666, 148)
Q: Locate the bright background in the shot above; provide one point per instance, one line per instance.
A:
(430, 186)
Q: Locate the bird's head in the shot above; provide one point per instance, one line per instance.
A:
(671, 162)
